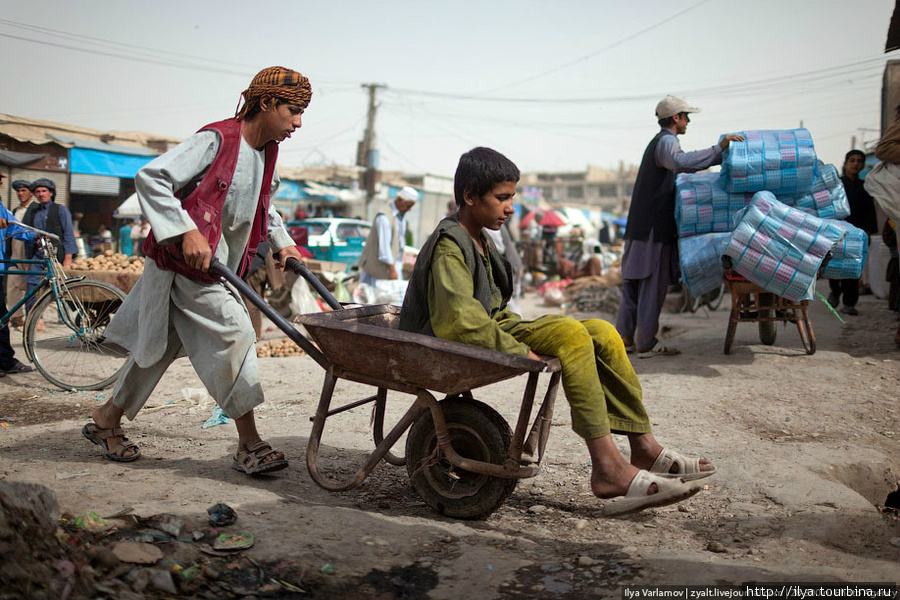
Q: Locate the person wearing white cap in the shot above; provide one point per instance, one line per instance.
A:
(382, 257)
(650, 259)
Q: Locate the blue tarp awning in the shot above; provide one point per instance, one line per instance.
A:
(289, 190)
(100, 162)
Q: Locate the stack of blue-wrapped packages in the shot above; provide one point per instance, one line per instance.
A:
(703, 206)
(709, 206)
(826, 199)
(849, 256)
(780, 161)
(780, 248)
(701, 261)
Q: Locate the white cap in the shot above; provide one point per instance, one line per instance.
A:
(408, 193)
(673, 105)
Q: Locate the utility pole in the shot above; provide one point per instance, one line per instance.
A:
(366, 155)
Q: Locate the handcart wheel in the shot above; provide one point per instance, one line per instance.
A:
(767, 329)
(714, 300)
(477, 432)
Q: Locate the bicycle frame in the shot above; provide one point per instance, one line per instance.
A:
(52, 281)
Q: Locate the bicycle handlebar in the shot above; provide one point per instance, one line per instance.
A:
(52, 236)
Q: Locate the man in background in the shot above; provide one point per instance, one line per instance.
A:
(650, 258)
(16, 286)
(9, 364)
(862, 215)
(126, 245)
(382, 258)
(54, 218)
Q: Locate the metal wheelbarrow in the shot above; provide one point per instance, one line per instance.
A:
(462, 458)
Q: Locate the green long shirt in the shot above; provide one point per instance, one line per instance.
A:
(457, 315)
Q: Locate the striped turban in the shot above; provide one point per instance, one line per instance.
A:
(280, 83)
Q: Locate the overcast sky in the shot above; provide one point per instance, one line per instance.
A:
(553, 85)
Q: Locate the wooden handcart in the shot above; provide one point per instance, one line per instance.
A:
(752, 304)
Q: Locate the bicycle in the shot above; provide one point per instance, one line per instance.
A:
(711, 299)
(64, 330)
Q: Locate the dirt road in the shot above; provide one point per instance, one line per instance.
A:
(806, 448)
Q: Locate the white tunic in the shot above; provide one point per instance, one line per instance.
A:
(141, 324)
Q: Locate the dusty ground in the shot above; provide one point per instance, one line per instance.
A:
(806, 447)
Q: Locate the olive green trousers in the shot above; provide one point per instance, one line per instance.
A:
(601, 386)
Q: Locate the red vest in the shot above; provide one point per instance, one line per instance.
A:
(204, 205)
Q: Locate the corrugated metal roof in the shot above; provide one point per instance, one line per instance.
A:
(74, 142)
(36, 131)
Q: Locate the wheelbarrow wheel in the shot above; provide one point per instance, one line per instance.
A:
(768, 330)
(476, 432)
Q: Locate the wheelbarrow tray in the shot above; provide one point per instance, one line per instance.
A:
(367, 346)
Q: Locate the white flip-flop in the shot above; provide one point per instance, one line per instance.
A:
(636, 499)
(688, 468)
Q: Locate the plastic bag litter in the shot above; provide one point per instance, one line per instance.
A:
(198, 396)
(217, 418)
(780, 248)
(701, 261)
(780, 161)
(303, 299)
(385, 291)
(221, 515)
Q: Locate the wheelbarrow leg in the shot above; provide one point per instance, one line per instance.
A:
(514, 454)
(540, 429)
(378, 428)
(315, 438)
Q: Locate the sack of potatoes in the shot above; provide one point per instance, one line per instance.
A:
(109, 261)
(278, 348)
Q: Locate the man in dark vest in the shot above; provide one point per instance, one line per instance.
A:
(650, 259)
(210, 196)
(55, 218)
(862, 215)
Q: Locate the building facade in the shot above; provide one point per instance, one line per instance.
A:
(595, 188)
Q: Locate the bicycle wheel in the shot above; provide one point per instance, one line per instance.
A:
(715, 297)
(66, 341)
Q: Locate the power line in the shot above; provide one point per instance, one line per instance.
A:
(598, 52)
(95, 40)
(741, 87)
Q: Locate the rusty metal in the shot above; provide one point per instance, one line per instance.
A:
(364, 345)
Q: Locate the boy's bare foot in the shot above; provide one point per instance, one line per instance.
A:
(612, 480)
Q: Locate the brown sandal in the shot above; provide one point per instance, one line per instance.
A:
(253, 459)
(98, 435)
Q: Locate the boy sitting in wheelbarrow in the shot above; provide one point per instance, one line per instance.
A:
(459, 291)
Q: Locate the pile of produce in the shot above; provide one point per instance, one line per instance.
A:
(278, 348)
(109, 261)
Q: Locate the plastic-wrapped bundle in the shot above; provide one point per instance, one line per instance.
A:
(780, 248)
(827, 198)
(780, 161)
(703, 206)
(849, 256)
(701, 261)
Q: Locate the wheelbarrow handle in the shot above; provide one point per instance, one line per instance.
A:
(300, 269)
(218, 269)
